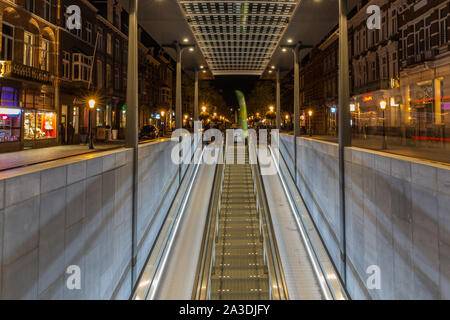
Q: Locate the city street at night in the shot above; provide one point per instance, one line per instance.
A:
(225, 154)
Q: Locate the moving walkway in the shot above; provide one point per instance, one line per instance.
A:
(233, 252)
(239, 259)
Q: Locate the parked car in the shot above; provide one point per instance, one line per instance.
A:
(148, 132)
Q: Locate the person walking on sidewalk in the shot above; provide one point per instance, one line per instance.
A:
(62, 133)
(70, 133)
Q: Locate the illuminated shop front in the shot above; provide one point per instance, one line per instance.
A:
(10, 124)
(10, 119)
(39, 125)
(27, 111)
(39, 119)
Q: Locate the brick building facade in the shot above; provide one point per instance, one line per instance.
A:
(49, 73)
(28, 70)
(406, 63)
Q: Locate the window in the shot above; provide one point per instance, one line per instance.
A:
(76, 119)
(116, 79)
(30, 5)
(385, 73)
(100, 38)
(66, 65)
(99, 74)
(108, 43)
(81, 67)
(427, 37)
(357, 42)
(363, 40)
(10, 118)
(45, 51)
(108, 75)
(89, 32)
(443, 27)
(394, 22)
(39, 125)
(383, 29)
(117, 48)
(394, 65)
(416, 44)
(404, 45)
(28, 49)
(47, 9)
(7, 42)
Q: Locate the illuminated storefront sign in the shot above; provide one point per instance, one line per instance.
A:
(10, 111)
(368, 98)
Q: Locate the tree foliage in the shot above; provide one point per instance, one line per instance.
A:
(261, 96)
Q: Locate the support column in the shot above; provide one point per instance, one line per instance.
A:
(196, 95)
(296, 93)
(131, 137)
(344, 124)
(278, 101)
(437, 101)
(178, 104)
(132, 79)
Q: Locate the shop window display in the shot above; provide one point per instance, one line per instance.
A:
(9, 124)
(10, 115)
(39, 125)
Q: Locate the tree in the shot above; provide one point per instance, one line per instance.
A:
(261, 97)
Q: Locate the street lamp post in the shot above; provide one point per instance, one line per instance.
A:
(91, 107)
(278, 100)
(310, 128)
(383, 107)
(179, 48)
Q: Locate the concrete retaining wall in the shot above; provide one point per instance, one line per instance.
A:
(78, 212)
(397, 217)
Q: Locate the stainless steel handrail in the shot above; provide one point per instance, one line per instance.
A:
(202, 287)
(150, 277)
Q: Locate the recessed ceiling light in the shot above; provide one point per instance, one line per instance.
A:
(289, 40)
(191, 49)
(201, 67)
(284, 49)
(185, 40)
(273, 67)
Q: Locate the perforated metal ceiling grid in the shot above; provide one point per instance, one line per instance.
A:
(238, 37)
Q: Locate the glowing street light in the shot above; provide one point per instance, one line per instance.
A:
(384, 142)
(204, 109)
(91, 107)
(310, 128)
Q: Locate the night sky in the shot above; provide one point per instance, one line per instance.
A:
(227, 84)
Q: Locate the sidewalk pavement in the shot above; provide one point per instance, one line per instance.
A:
(11, 160)
(424, 150)
(435, 151)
